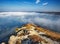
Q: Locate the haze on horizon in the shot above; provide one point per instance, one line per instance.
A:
(30, 5)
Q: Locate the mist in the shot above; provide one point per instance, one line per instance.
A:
(11, 20)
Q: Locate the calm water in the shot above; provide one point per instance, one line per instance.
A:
(10, 21)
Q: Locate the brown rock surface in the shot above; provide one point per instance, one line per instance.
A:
(53, 35)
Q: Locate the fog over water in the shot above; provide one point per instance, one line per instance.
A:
(11, 20)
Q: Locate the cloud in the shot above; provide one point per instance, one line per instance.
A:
(53, 25)
(46, 20)
(37, 1)
(46, 3)
(3, 14)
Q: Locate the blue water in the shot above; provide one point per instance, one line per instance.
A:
(9, 23)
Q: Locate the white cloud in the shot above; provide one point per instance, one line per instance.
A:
(54, 25)
(51, 24)
(32, 17)
(46, 3)
(37, 1)
(3, 14)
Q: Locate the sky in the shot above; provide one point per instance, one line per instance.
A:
(30, 5)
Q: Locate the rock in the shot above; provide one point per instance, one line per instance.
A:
(33, 35)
